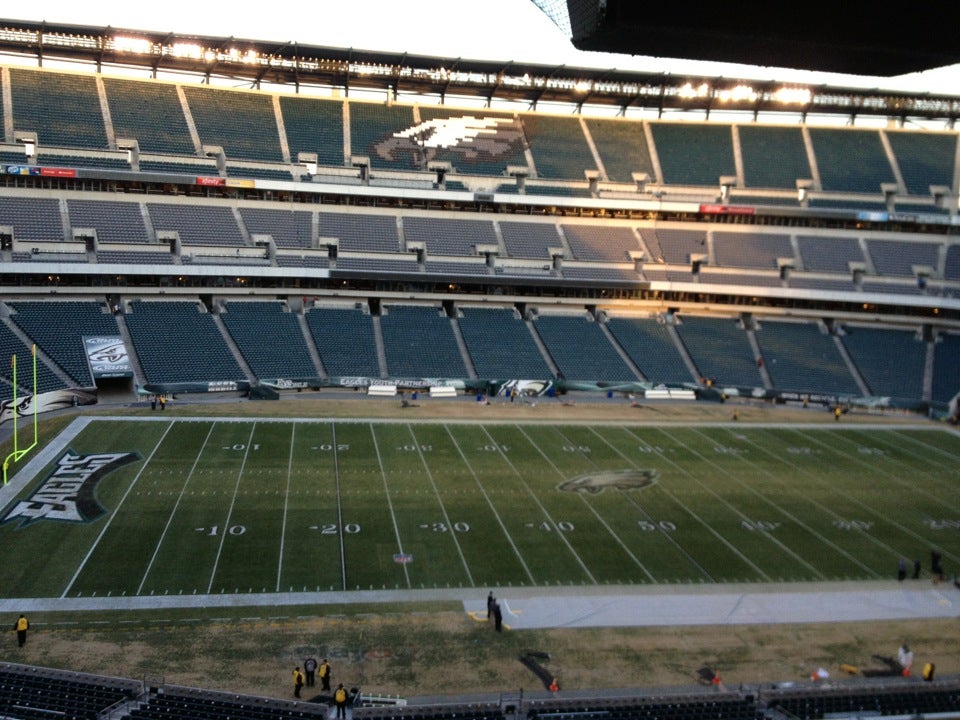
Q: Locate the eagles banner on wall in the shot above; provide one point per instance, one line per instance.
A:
(107, 356)
(46, 402)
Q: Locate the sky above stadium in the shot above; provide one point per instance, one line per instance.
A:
(492, 30)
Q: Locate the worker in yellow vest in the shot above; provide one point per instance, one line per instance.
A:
(21, 626)
(340, 698)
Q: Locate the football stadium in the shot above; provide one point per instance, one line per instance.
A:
(517, 391)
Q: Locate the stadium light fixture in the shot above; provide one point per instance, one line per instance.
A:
(191, 51)
(127, 44)
(687, 90)
(793, 95)
(739, 93)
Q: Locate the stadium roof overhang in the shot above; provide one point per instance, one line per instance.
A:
(290, 64)
(863, 39)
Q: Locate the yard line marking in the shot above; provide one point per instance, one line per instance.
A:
(443, 507)
(706, 526)
(767, 536)
(106, 525)
(673, 541)
(233, 501)
(386, 491)
(539, 504)
(895, 477)
(922, 459)
(873, 511)
(340, 532)
(286, 504)
(951, 459)
(173, 510)
(810, 475)
(492, 507)
(781, 510)
(586, 502)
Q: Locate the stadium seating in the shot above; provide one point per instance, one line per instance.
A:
(419, 342)
(820, 368)
(177, 343)
(269, 338)
(720, 350)
(580, 350)
(651, 347)
(345, 338)
(58, 328)
(891, 361)
(500, 344)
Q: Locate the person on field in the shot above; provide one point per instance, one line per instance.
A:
(325, 675)
(340, 698)
(297, 681)
(310, 668)
(490, 603)
(21, 626)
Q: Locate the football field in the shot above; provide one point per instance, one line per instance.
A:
(159, 506)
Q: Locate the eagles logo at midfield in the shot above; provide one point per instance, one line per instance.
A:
(597, 482)
(68, 494)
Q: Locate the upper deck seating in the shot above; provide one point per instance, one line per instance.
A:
(622, 147)
(924, 159)
(559, 147)
(474, 142)
(694, 153)
(314, 125)
(185, 166)
(773, 157)
(103, 161)
(375, 133)
(62, 109)
(242, 123)
(835, 149)
(149, 112)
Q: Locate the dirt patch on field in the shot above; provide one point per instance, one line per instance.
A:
(570, 408)
(447, 652)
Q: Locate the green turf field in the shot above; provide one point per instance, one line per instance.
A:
(221, 506)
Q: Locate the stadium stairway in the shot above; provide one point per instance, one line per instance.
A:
(232, 346)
